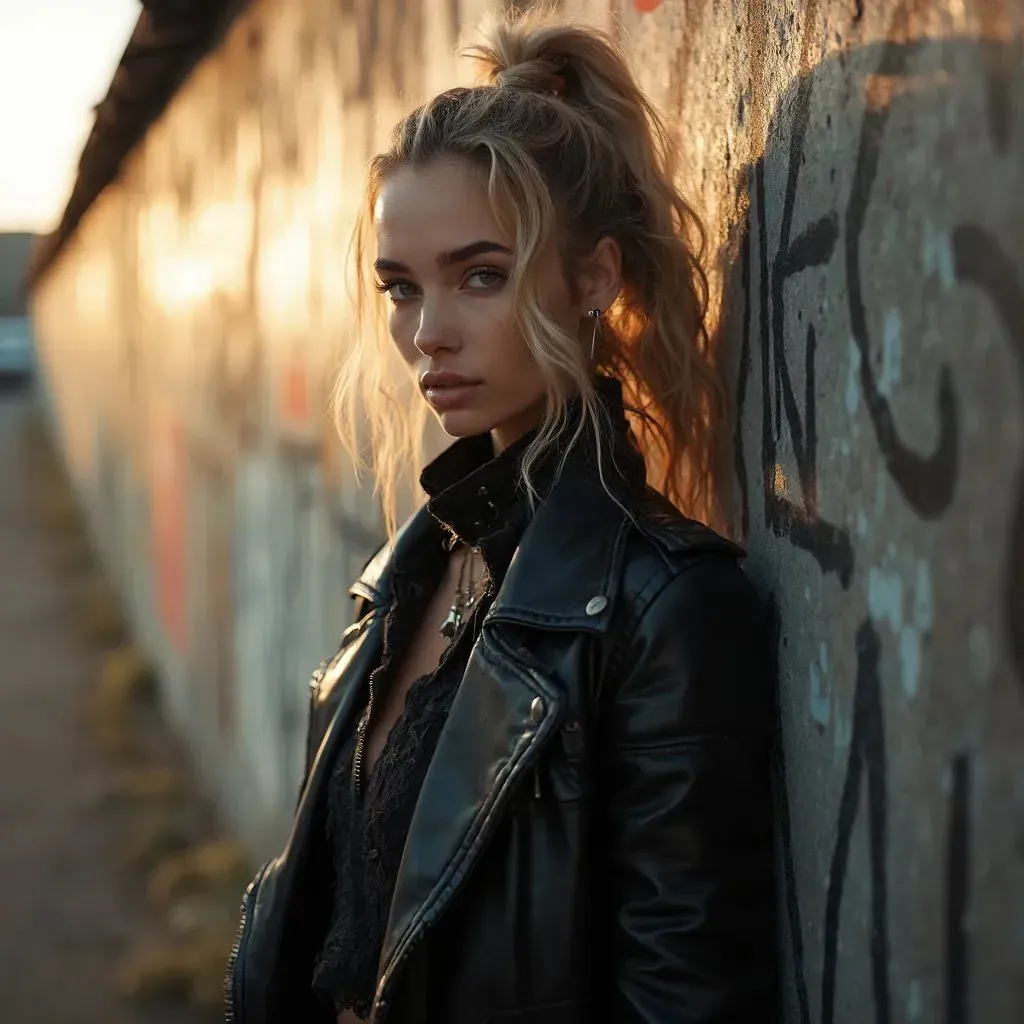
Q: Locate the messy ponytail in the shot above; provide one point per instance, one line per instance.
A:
(572, 151)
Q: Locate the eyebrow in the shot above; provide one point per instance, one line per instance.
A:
(466, 252)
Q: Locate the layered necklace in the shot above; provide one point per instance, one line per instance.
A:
(468, 593)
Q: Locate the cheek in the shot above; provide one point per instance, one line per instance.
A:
(403, 333)
(507, 344)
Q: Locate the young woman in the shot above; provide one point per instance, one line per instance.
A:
(537, 780)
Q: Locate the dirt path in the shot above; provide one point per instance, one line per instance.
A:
(67, 909)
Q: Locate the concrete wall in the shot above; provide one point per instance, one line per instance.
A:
(860, 168)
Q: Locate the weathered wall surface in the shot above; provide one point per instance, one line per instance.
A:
(860, 168)
(861, 165)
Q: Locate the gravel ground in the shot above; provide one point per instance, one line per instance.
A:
(68, 910)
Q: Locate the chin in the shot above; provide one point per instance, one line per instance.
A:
(465, 422)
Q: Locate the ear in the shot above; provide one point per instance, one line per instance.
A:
(599, 275)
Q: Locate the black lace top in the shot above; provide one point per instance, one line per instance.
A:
(475, 498)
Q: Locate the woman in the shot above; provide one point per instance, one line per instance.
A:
(536, 787)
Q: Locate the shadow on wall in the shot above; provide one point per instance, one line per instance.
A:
(879, 203)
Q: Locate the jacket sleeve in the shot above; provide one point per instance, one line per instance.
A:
(687, 797)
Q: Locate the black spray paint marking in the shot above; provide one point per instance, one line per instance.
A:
(867, 756)
(926, 482)
(796, 931)
(958, 845)
(827, 543)
(801, 523)
(979, 259)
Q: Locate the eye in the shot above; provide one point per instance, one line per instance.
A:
(397, 291)
(485, 279)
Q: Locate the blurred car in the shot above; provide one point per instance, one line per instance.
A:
(17, 357)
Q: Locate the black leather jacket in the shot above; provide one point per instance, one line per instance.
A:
(593, 840)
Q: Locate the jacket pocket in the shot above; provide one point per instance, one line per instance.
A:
(234, 980)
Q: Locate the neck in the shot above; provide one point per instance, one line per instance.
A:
(511, 430)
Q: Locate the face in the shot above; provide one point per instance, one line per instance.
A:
(444, 264)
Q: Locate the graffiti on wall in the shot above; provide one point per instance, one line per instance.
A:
(168, 509)
(836, 238)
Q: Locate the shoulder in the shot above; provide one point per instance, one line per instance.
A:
(691, 648)
(664, 551)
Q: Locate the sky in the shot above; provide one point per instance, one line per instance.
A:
(56, 60)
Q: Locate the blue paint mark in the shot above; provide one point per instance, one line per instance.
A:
(853, 378)
(937, 256)
(818, 702)
(885, 597)
(910, 660)
(892, 353)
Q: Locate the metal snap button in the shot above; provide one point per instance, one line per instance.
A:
(596, 605)
(536, 710)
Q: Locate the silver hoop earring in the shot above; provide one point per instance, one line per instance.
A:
(596, 314)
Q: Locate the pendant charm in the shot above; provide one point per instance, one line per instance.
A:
(450, 626)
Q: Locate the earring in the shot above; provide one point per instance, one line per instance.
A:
(596, 314)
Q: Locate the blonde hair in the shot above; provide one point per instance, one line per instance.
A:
(571, 151)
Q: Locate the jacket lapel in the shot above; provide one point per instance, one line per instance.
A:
(565, 571)
(563, 576)
(342, 686)
(501, 716)
(505, 707)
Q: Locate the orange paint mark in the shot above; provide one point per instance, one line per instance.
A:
(646, 6)
(168, 518)
(295, 396)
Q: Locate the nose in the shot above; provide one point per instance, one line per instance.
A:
(435, 332)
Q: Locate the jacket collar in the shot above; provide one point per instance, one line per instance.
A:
(471, 491)
(579, 527)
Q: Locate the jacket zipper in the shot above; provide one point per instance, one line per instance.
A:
(364, 723)
(234, 982)
(314, 692)
(357, 756)
(381, 1004)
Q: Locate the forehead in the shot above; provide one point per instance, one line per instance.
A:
(424, 211)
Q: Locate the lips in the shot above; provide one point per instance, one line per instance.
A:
(444, 390)
(444, 379)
